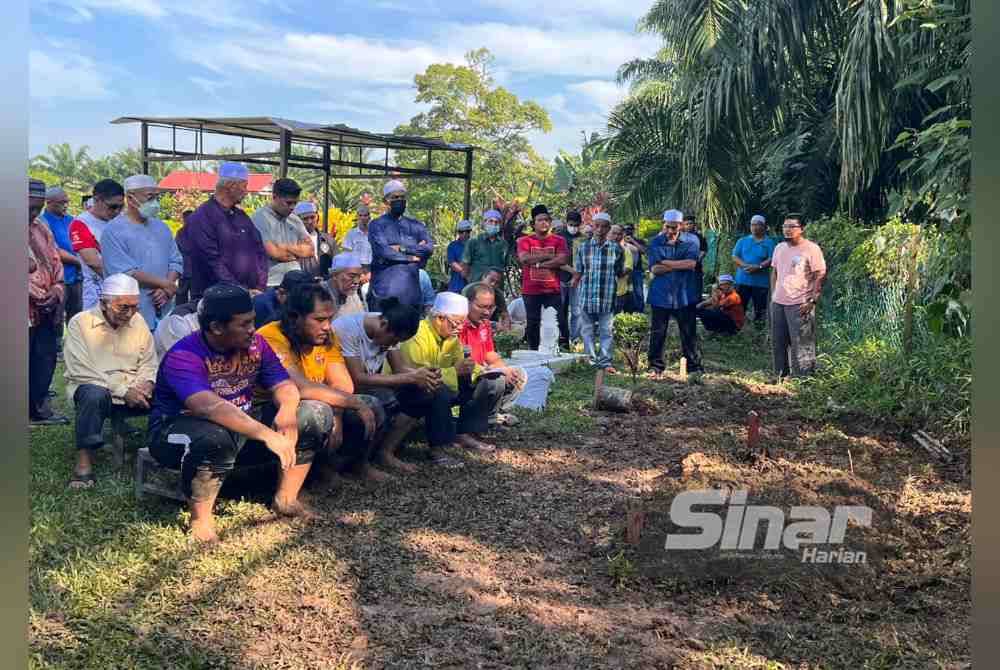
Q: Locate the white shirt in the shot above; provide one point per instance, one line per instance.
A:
(355, 343)
(357, 242)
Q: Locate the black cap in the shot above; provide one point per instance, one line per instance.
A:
(539, 209)
(295, 278)
(225, 300)
(574, 216)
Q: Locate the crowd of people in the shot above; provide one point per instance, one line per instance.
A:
(254, 337)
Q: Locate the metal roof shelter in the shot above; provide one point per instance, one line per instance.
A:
(341, 146)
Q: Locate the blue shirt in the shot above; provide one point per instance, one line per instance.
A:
(60, 231)
(751, 251)
(427, 294)
(147, 247)
(455, 251)
(394, 274)
(266, 308)
(672, 290)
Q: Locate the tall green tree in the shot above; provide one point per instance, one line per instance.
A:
(71, 167)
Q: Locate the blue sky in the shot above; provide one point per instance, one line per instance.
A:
(347, 62)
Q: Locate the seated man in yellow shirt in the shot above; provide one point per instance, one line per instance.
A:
(436, 346)
(304, 343)
(110, 367)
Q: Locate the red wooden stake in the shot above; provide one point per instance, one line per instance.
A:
(753, 430)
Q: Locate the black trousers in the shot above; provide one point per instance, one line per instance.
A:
(42, 346)
(757, 295)
(717, 321)
(356, 450)
(435, 409)
(93, 407)
(686, 324)
(533, 306)
(195, 445)
(74, 300)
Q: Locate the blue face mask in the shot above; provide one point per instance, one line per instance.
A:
(491, 229)
(149, 209)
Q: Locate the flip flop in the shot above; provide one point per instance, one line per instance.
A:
(86, 481)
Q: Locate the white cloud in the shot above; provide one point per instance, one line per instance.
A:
(65, 76)
(85, 8)
(572, 12)
(604, 94)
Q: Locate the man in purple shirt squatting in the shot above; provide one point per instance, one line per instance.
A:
(400, 248)
(204, 420)
(221, 241)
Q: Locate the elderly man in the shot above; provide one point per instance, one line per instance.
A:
(455, 253)
(485, 251)
(204, 419)
(45, 299)
(436, 346)
(356, 240)
(286, 240)
(400, 247)
(344, 283)
(58, 221)
(599, 263)
(723, 311)
(324, 245)
(267, 305)
(86, 231)
(477, 336)
(110, 368)
(798, 270)
(222, 241)
(142, 246)
(303, 342)
(672, 261)
(541, 254)
(752, 258)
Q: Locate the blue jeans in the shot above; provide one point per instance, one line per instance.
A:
(605, 334)
(569, 313)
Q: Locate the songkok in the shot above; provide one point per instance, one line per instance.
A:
(137, 181)
(305, 208)
(233, 172)
(539, 209)
(344, 261)
(36, 188)
(464, 225)
(493, 214)
(451, 304)
(602, 216)
(393, 186)
(574, 217)
(756, 218)
(225, 300)
(726, 278)
(673, 216)
(54, 192)
(120, 284)
(293, 278)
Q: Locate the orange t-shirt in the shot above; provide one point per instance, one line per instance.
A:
(732, 306)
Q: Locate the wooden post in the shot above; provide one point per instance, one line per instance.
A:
(753, 430)
(598, 383)
(684, 369)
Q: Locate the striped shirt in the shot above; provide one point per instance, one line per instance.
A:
(600, 263)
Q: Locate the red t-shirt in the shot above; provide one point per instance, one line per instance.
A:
(81, 236)
(538, 281)
(478, 338)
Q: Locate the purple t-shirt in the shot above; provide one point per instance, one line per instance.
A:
(191, 367)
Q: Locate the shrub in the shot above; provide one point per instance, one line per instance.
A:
(631, 334)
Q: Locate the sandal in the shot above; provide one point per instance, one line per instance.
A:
(85, 481)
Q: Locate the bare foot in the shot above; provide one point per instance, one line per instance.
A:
(204, 532)
(373, 474)
(469, 442)
(293, 509)
(390, 461)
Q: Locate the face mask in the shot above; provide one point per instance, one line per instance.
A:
(397, 207)
(572, 229)
(491, 229)
(149, 209)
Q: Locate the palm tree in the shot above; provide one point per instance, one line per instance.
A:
(69, 165)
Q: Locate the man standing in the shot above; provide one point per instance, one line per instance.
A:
(752, 258)
(691, 228)
(141, 246)
(638, 302)
(569, 310)
(541, 254)
(488, 250)
(110, 368)
(798, 269)
(222, 241)
(344, 283)
(624, 299)
(672, 261)
(286, 240)
(356, 240)
(58, 221)
(400, 247)
(324, 245)
(86, 232)
(599, 264)
(455, 252)
(45, 299)
(204, 421)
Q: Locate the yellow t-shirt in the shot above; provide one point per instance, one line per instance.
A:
(427, 349)
(625, 281)
(313, 365)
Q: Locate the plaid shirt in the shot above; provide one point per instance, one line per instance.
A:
(600, 263)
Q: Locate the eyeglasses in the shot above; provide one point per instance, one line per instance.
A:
(124, 309)
(452, 323)
(113, 207)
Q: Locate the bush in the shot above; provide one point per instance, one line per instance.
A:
(631, 334)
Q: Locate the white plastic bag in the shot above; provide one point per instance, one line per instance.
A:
(536, 390)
